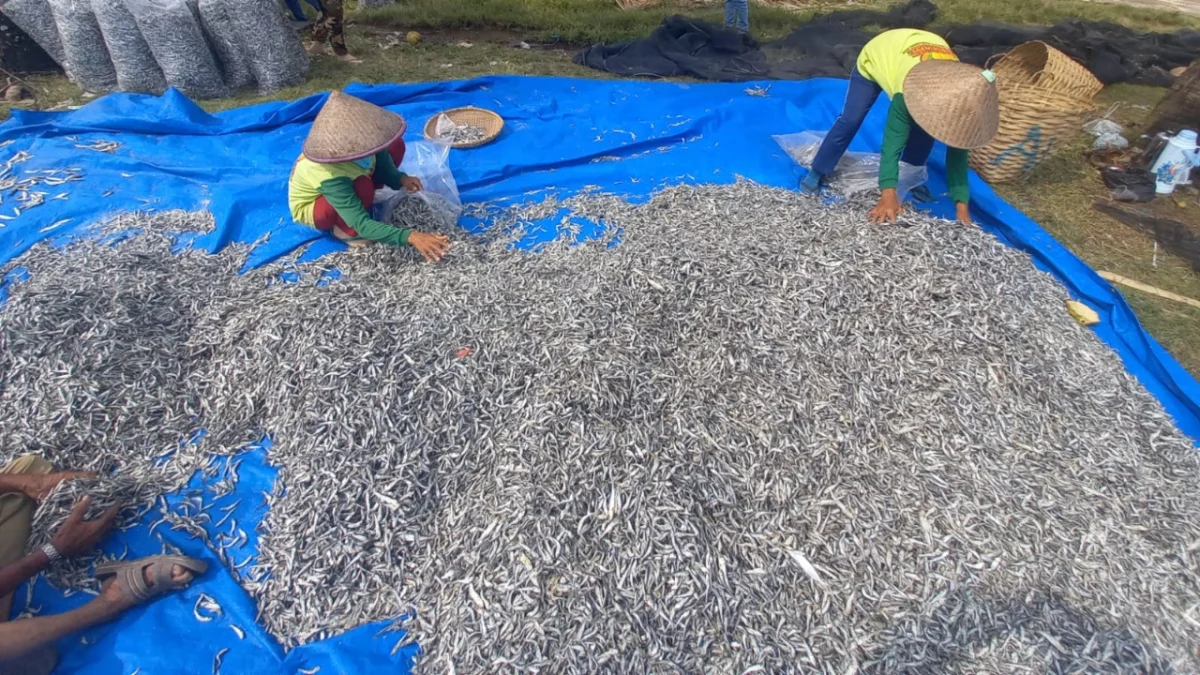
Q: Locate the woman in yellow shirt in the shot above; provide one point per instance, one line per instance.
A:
(933, 96)
(354, 147)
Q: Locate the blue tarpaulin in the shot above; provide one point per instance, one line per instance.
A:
(561, 136)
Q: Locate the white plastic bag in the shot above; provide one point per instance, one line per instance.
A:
(856, 172)
(438, 207)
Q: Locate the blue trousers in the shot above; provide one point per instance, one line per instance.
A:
(294, 7)
(737, 15)
(859, 98)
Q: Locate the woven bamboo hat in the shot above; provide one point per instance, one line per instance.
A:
(957, 103)
(349, 128)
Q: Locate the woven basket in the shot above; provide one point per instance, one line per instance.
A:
(491, 123)
(1044, 96)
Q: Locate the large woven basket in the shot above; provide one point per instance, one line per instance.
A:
(1044, 96)
(491, 123)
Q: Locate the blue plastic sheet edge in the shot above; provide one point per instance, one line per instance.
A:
(562, 136)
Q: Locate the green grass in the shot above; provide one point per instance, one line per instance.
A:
(1059, 195)
(586, 21)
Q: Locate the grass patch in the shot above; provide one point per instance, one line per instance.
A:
(587, 21)
(1059, 195)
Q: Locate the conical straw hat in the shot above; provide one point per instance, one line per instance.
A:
(957, 103)
(349, 128)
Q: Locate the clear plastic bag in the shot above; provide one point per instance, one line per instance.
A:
(856, 172)
(438, 207)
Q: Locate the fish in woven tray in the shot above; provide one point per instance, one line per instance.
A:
(458, 133)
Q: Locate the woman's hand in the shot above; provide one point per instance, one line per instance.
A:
(887, 209)
(962, 213)
(431, 246)
(411, 183)
(78, 536)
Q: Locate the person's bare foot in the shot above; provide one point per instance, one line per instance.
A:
(316, 49)
(349, 58)
(358, 243)
(111, 592)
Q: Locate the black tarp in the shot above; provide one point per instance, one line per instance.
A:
(828, 45)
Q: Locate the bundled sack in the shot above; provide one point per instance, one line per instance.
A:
(278, 59)
(171, 29)
(85, 57)
(232, 59)
(134, 63)
(37, 20)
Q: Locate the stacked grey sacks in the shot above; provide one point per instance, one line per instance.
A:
(35, 18)
(171, 29)
(277, 58)
(85, 58)
(136, 69)
(233, 59)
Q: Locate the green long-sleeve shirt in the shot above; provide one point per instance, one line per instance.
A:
(339, 192)
(895, 137)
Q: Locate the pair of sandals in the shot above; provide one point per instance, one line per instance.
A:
(130, 576)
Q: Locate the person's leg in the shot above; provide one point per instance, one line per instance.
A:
(730, 13)
(916, 153)
(19, 639)
(294, 7)
(327, 219)
(16, 518)
(743, 16)
(860, 96)
(320, 35)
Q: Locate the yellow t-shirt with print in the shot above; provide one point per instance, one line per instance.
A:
(888, 57)
(304, 185)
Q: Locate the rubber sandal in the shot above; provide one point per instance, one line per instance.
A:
(131, 578)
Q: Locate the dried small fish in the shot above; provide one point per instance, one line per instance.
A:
(738, 430)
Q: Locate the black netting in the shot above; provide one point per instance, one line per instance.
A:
(828, 45)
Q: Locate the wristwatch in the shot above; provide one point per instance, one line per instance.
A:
(51, 552)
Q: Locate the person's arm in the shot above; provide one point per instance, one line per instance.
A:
(386, 171)
(339, 192)
(37, 486)
(895, 137)
(15, 574)
(957, 161)
(74, 537)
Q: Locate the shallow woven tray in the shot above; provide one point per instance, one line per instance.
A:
(489, 121)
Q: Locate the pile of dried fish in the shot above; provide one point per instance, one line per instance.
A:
(757, 434)
(85, 58)
(425, 211)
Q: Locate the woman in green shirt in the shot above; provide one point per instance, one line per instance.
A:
(354, 147)
(933, 97)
